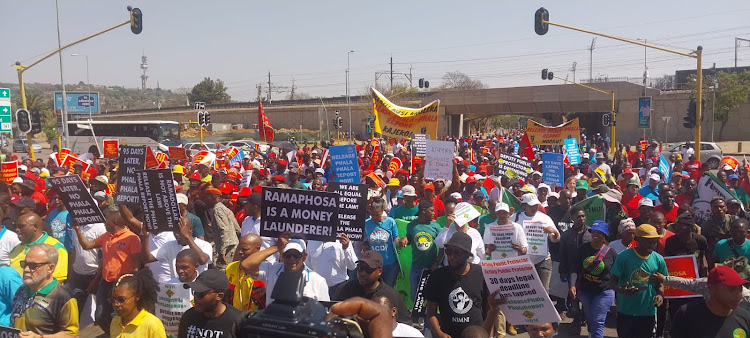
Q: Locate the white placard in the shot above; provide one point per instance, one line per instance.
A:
(527, 301)
(502, 237)
(439, 160)
(536, 237)
(172, 301)
(464, 213)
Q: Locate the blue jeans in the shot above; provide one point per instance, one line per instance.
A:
(595, 307)
(414, 277)
(104, 308)
(390, 274)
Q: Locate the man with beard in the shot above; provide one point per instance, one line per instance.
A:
(457, 290)
(210, 315)
(59, 313)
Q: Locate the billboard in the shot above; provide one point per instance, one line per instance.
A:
(78, 102)
(644, 112)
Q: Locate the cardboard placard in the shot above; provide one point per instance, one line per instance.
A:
(502, 237)
(77, 199)
(553, 169)
(465, 213)
(162, 157)
(681, 266)
(132, 159)
(158, 199)
(439, 159)
(9, 332)
(151, 161)
(111, 148)
(352, 215)
(178, 153)
(71, 160)
(536, 237)
(517, 280)
(61, 155)
(419, 308)
(419, 145)
(344, 164)
(9, 171)
(306, 214)
(571, 148)
(514, 166)
(172, 301)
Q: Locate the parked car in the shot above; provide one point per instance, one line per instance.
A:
(22, 146)
(247, 145)
(196, 146)
(710, 152)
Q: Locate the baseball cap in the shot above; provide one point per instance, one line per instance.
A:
(646, 231)
(645, 202)
(723, 274)
(654, 177)
(182, 199)
(429, 186)
(408, 190)
(529, 199)
(471, 179)
(295, 244)
(585, 155)
(424, 205)
(320, 170)
(25, 202)
(649, 161)
(211, 279)
(685, 218)
(600, 226)
(461, 241)
(582, 185)
(100, 196)
(103, 179)
(294, 171)
(734, 177)
(372, 258)
(502, 206)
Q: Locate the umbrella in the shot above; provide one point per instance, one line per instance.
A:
(284, 145)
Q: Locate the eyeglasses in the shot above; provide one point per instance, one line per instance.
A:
(202, 294)
(292, 255)
(120, 300)
(32, 266)
(366, 270)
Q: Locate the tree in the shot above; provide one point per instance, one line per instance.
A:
(460, 81)
(210, 91)
(733, 90)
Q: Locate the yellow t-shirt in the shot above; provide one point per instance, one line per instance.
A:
(18, 254)
(241, 289)
(142, 326)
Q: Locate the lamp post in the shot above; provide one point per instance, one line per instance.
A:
(90, 100)
(348, 101)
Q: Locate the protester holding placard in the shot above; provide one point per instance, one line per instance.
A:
(131, 297)
(381, 235)
(166, 254)
(332, 260)
(538, 228)
(504, 238)
(477, 243)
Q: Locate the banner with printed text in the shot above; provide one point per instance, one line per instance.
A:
(594, 208)
(400, 122)
(681, 266)
(541, 135)
(513, 166)
(352, 215)
(9, 171)
(709, 187)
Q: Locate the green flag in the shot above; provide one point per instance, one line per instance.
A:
(594, 208)
(511, 200)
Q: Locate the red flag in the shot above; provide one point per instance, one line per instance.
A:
(265, 130)
(525, 149)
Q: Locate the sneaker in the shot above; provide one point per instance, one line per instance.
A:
(511, 330)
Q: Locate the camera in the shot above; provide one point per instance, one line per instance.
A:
(293, 315)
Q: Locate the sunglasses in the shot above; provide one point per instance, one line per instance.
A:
(202, 294)
(32, 266)
(366, 270)
(292, 255)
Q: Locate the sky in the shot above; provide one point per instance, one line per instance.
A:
(306, 43)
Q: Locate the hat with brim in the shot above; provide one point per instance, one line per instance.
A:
(723, 274)
(647, 231)
(613, 196)
(461, 241)
(600, 226)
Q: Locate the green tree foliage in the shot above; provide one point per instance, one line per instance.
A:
(733, 90)
(209, 91)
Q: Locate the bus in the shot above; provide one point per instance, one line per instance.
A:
(159, 135)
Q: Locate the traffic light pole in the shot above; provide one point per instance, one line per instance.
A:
(612, 95)
(697, 54)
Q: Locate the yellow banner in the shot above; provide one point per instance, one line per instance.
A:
(400, 122)
(541, 135)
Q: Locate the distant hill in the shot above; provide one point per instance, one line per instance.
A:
(110, 97)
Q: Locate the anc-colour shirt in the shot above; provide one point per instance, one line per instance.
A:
(50, 310)
(244, 293)
(404, 213)
(631, 268)
(19, 254)
(144, 325)
(422, 236)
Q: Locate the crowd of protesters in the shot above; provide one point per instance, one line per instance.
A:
(51, 265)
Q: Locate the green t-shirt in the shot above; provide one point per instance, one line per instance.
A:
(722, 251)
(630, 268)
(404, 213)
(484, 220)
(422, 236)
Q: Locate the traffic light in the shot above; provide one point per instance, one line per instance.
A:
(207, 118)
(547, 75)
(541, 15)
(23, 118)
(690, 118)
(421, 83)
(427, 84)
(36, 122)
(201, 118)
(136, 20)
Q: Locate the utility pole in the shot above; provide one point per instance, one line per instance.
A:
(391, 74)
(591, 60)
(269, 86)
(573, 69)
(291, 95)
(410, 68)
(348, 101)
(714, 86)
(737, 42)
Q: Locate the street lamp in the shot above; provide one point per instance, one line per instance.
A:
(348, 101)
(90, 100)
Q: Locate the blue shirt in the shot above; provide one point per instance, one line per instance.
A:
(10, 281)
(381, 236)
(649, 193)
(59, 226)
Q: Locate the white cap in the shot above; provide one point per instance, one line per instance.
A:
(18, 179)
(585, 155)
(100, 195)
(320, 170)
(553, 194)
(457, 195)
(530, 199)
(182, 199)
(646, 201)
(536, 172)
(727, 167)
(502, 206)
(408, 190)
(295, 244)
(543, 186)
(654, 177)
(22, 168)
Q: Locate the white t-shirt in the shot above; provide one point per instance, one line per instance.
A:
(8, 241)
(477, 244)
(155, 242)
(330, 260)
(315, 285)
(166, 256)
(87, 261)
(538, 217)
(503, 236)
(618, 246)
(252, 225)
(403, 330)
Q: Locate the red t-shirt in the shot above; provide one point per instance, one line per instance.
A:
(663, 240)
(630, 203)
(669, 215)
(683, 199)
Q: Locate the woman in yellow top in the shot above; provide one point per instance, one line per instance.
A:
(131, 296)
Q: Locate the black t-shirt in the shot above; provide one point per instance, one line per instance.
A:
(352, 289)
(696, 320)
(561, 218)
(194, 324)
(697, 245)
(595, 279)
(459, 298)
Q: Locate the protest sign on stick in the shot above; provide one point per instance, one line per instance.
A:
(172, 301)
(158, 199)
(352, 215)
(344, 163)
(306, 214)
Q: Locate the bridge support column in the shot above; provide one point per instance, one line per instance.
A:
(461, 125)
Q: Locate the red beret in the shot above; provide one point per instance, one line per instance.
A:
(257, 189)
(245, 191)
(272, 155)
(213, 191)
(278, 178)
(281, 161)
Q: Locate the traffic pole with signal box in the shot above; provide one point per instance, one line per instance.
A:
(541, 27)
(201, 122)
(21, 68)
